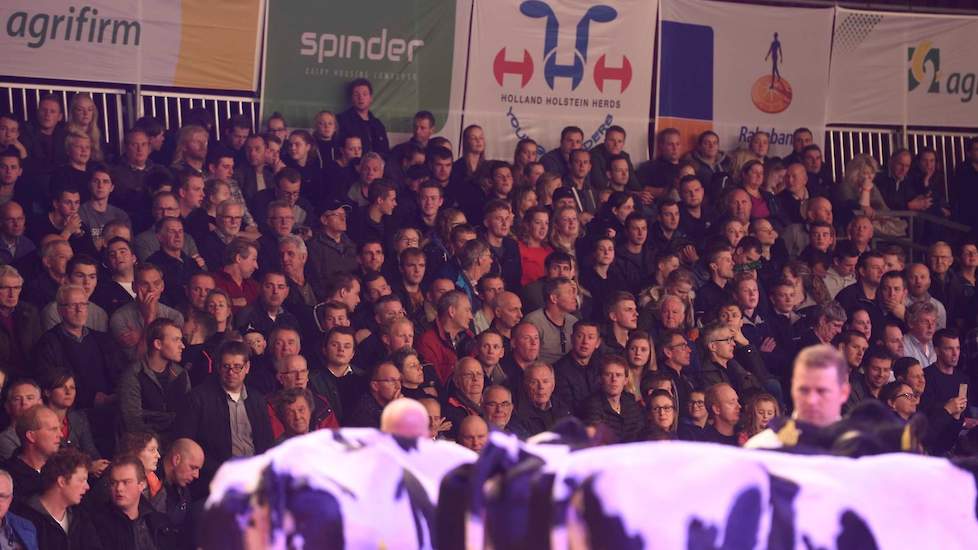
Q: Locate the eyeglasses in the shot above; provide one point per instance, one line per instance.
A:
(470, 376)
(9, 288)
(683, 345)
(663, 408)
(76, 306)
(232, 218)
(698, 403)
(236, 369)
(909, 396)
(730, 339)
(500, 404)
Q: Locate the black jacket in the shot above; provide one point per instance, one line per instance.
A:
(574, 383)
(372, 133)
(207, 420)
(117, 531)
(528, 420)
(81, 535)
(627, 426)
(16, 346)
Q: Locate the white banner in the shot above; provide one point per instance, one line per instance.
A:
(890, 68)
(736, 68)
(184, 43)
(536, 67)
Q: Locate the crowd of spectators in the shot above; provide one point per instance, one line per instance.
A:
(204, 297)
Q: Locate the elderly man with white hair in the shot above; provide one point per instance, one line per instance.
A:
(405, 417)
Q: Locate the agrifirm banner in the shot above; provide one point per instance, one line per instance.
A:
(182, 43)
(412, 51)
(538, 66)
(889, 68)
(736, 69)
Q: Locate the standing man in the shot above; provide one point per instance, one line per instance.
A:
(359, 121)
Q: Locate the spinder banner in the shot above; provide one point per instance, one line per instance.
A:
(183, 43)
(537, 66)
(412, 51)
(890, 68)
(736, 69)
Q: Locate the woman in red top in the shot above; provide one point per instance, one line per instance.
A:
(533, 246)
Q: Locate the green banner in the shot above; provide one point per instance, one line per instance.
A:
(314, 48)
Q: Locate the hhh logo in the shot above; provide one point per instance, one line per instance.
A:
(920, 58)
(575, 71)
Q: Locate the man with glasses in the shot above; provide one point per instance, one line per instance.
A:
(226, 417)
(719, 346)
(82, 271)
(676, 354)
(229, 216)
(90, 354)
(288, 190)
(153, 390)
(165, 204)
(292, 373)
(498, 404)
(384, 387)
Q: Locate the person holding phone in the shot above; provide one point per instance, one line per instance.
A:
(945, 400)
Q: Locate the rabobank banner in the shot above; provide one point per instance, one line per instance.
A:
(412, 51)
(890, 68)
(736, 69)
(536, 66)
(184, 43)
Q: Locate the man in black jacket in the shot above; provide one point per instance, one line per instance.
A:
(61, 524)
(359, 121)
(577, 372)
(224, 416)
(20, 325)
(539, 409)
(612, 407)
(128, 521)
(181, 466)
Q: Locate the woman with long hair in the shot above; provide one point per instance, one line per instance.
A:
(524, 198)
(858, 192)
(611, 217)
(526, 153)
(546, 185)
(83, 118)
(534, 248)
(146, 447)
(600, 275)
(809, 290)
(640, 356)
(566, 230)
(472, 162)
(763, 203)
(326, 129)
(663, 416)
(759, 410)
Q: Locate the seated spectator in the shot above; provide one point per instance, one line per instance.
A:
(82, 271)
(695, 417)
(51, 272)
(719, 345)
(39, 431)
(20, 327)
(165, 204)
(922, 324)
(90, 354)
(267, 312)
(724, 408)
(473, 434)
(613, 408)
(214, 245)
(22, 394)
(449, 338)
(292, 373)
(129, 321)
(128, 520)
(224, 416)
(578, 372)
(876, 372)
(663, 416)
(54, 508)
(177, 267)
(181, 466)
(58, 388)
(144, 446)
(463, 394)
(239, 261)
(720, 263)
(554, 320)
(12, 227)
(96, 212)
(64, 221)
(153, 389)
(539, 409)
(384, 387)
(18, 530)
(498, 404)
(115, 288)
(901, 399)
(946, 408)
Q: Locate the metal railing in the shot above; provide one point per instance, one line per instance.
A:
(841, 144)
(170, 107)
(21, 100)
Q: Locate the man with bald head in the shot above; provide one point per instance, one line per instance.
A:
(738, 205)
(405, 417)
(473, 434)
(181, 466)
(507, 314)
(817, 209)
